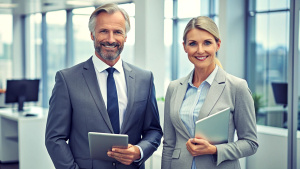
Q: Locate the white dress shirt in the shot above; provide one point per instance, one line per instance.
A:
(119, 76)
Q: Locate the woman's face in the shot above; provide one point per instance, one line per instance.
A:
(201, 48)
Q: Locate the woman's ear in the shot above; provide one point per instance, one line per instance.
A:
(184, 47)
(218, 44)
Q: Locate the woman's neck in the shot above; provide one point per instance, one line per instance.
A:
(200, 75)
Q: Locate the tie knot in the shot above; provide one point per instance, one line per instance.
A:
(110, 70)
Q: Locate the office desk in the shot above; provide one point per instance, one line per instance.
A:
(274, 116)
(23, 138)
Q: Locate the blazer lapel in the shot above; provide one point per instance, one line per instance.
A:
(92, 83)
(178, 99)
(130, 83)
(213, 94)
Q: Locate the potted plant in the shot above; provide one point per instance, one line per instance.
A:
(258, 102)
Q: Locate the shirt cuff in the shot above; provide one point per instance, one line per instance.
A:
(142, 154)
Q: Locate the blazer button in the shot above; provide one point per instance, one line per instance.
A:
(114, 164)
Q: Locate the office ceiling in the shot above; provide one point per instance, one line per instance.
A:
(19, 7)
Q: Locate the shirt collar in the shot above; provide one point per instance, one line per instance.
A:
(101, 66)
(209, 79)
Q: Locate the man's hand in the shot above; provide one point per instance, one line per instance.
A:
(198, 147)
(125, 156)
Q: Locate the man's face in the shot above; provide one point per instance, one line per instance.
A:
(109, 37)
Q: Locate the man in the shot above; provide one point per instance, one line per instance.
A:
(82, 101)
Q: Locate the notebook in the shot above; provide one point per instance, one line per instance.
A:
(214, 128)
(100, 143)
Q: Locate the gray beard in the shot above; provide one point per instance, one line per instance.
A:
(108, 55)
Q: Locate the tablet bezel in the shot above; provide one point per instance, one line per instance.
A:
(101, 143)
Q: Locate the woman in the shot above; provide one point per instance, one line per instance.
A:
(205, 91)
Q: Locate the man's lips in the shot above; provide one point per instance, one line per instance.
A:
(109, 45)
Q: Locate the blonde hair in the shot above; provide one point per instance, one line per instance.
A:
(203, 23)
(217, 61)
(109, 8)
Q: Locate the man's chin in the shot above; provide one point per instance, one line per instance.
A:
(109, 57)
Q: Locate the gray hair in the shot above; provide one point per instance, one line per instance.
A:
(109, 8)
(203, 23)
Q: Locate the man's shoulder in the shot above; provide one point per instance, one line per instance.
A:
(137, 70)
(77, 68)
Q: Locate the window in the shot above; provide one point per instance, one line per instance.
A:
(183, 11)
(268, 56)
(5, 49)
(128, 50)
(56, 45)
(83, 45)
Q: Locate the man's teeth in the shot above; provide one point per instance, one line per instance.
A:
(109, 46)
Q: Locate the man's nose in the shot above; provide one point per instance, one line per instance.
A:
(111, 37)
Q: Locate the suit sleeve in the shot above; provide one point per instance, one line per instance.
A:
(59, 125)
(245, 124)
(169, 141)
(152, 132)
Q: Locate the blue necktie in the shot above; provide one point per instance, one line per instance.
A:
(112, 100)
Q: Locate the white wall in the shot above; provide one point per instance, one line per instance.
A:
(149, 40)
(272, 151)
(232, 31)
(17, 55)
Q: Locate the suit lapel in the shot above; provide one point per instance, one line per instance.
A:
(130, 83)
(180, 93)
(93, 86)
(213, 94)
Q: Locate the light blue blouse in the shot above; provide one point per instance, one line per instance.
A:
(193, 101)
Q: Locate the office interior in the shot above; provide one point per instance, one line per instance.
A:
(259, 43)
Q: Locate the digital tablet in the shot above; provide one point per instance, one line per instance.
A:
(214, 128)
(101, 143)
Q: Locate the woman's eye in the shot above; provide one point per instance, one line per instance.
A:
(192, 44)
(207, 42)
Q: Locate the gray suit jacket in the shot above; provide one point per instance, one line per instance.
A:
(225, 91)
(77, 107)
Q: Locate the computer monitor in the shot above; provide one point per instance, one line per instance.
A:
(280, 91)
(20, 91)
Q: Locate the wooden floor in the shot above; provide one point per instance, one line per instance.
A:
(9, 166)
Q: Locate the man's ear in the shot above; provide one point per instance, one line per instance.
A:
(92, 36)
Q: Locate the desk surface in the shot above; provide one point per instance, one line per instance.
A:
(22, 138)
(13, 114)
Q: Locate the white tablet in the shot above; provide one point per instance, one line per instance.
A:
(214, 128)
(100, 143)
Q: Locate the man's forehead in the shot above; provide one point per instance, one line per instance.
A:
(111, 20)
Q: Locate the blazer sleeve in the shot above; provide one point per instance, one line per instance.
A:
(245, 124)
(152, 132)
(169, 141)
(58, 126)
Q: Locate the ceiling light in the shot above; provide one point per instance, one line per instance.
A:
(2, 5)
(80, 3)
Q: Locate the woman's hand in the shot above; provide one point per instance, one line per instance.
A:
(198, 147)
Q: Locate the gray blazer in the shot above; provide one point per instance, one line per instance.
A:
(77, 107)
(225, 91)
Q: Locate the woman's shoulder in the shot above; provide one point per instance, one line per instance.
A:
(236, 82)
